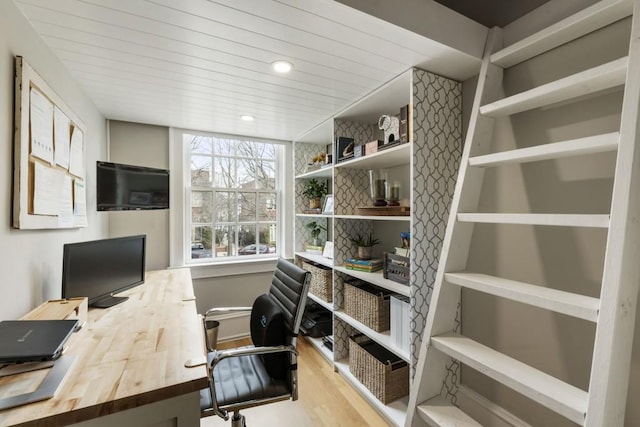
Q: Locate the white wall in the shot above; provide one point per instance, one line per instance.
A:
(31, 261)
(141, 145)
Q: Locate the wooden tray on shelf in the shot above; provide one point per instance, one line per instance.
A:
(384, 210)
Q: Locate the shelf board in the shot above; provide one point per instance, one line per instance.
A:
(543, 388)
(319, 215)
(575, 147)
(590, 81)
(575, 26)
(315, 298)
(327, 262)
(382, 338)
(395, 412)
(326, 172)
(561, 220)
(376, 217)
(391, 157)
(324, 351)
(570, 304)
(377, 279)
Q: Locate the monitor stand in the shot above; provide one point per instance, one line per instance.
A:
(108, 301)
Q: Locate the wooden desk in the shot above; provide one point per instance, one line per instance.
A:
(129, 367)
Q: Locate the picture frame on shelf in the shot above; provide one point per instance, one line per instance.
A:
(327, 209)
(327, 252)
(344, 148)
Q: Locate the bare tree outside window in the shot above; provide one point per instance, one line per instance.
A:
(234, 197)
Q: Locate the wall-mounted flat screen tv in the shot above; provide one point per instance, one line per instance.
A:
(99, 269)
(127, 187)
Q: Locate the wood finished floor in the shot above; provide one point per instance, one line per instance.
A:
(326, 399)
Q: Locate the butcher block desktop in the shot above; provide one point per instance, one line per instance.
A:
(129, 364)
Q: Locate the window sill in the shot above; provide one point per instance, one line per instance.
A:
(232, 268)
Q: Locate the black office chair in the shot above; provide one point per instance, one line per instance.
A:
(266, 372)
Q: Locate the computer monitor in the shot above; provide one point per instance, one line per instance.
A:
(99, 269)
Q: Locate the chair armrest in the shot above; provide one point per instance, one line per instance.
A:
(251, 350)
(220, 310)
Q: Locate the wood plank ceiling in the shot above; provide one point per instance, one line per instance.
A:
(201, 64)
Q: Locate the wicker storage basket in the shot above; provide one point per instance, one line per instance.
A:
(320, 284)
(382, 372)
(367, 304)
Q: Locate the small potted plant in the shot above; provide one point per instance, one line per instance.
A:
(316, 229)
(364, 244)
(315, 190)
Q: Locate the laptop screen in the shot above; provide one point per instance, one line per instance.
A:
(33, 340)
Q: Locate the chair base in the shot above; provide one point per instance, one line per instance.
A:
(238, 420)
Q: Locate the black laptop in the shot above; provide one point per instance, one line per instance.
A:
(33, 340)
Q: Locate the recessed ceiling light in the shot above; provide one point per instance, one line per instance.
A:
(247, 118)
(282, 66)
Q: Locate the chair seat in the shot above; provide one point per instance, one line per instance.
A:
(241, 379)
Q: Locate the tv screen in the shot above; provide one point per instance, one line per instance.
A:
(98, 269)
(127, 187)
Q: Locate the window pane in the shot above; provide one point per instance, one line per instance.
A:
(247, 207)
(267, 207)
(225, 147)
(224, 173)
(201, 242)
(201, 206)
(247, 173)
(266, 175)
(247, 240)
(200, 144)
(200, 171)
(267, 238)
(225, 206)
(225, 238)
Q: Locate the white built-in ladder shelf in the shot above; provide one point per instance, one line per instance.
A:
(548, 391)
(577, 25)
(586, 82)
(604, 403)
(570, 304)
(558, 220)
(439, 412)
(575, 147)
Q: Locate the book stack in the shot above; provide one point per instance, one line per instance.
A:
(366, 265)
(316, 250)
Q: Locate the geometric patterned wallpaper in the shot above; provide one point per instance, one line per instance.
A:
(437, 149)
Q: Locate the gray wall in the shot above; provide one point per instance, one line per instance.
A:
(566, 259)
(31, 261)
(147, 145)
(141, 145)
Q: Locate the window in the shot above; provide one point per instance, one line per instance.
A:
(233, 193)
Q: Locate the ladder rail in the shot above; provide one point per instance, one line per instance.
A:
(458, 235)
(621, 275)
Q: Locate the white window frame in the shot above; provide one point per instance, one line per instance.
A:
(179, 211)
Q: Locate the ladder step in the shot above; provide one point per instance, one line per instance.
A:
(575, 305)
(439, 412)
(575, 147)
(595, 79)
(573, 27)
(563, 398)
(562, 220)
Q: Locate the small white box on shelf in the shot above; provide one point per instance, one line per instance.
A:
(399, 318)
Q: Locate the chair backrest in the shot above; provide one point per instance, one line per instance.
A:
(289, 288)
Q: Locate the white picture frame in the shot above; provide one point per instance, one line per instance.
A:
(327, 252)
(328, 205)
